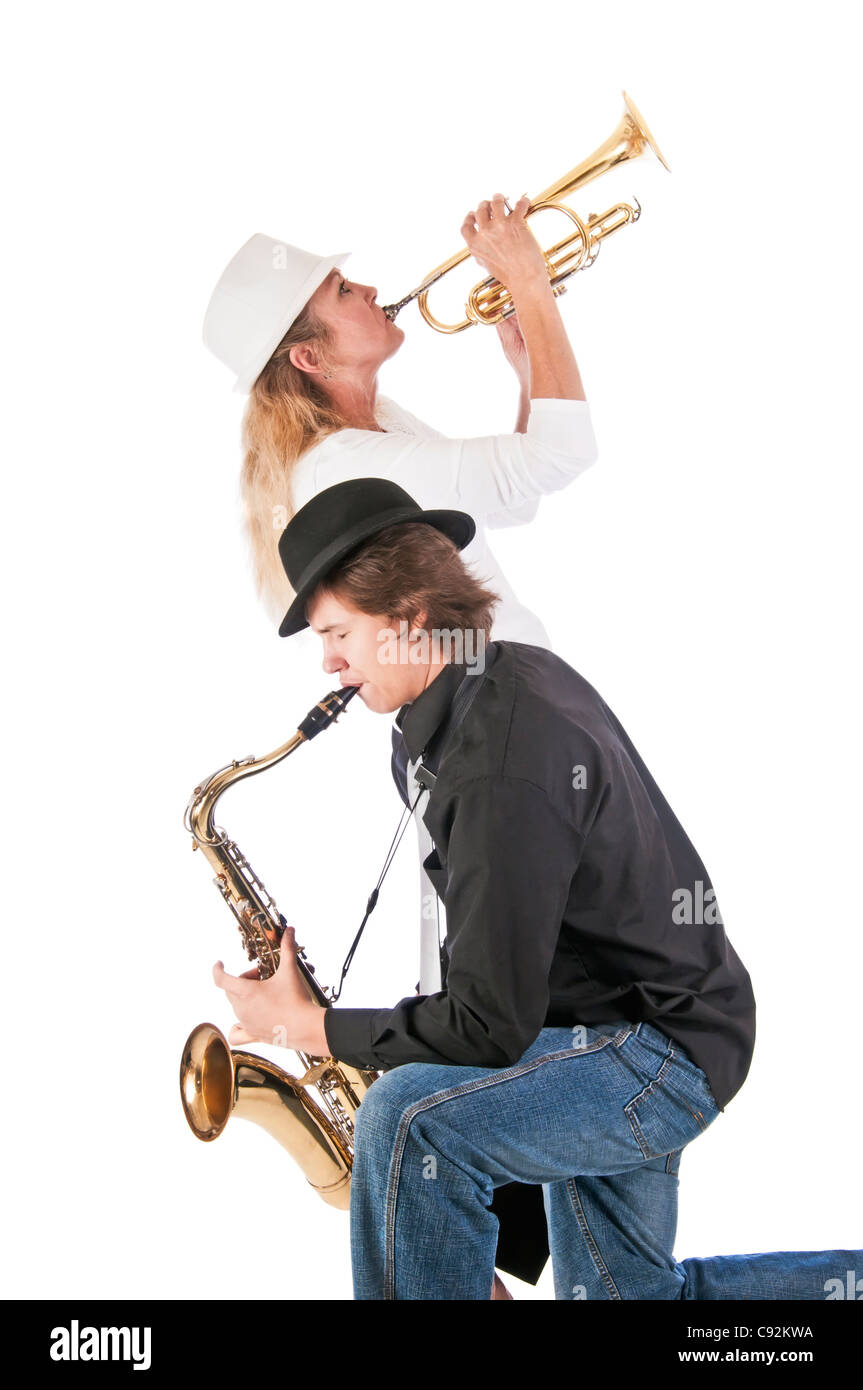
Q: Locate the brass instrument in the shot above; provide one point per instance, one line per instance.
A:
(489, 301)
(217, 1082)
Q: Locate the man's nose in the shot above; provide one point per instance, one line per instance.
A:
(333, 662)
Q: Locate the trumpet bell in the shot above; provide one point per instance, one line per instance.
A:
(489, 301)
(644, 129)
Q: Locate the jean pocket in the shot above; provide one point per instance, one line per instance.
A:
(674, 1103)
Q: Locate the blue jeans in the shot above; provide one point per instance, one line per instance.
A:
(599, 1116)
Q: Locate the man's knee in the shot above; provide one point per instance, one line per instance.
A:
(384, 1106)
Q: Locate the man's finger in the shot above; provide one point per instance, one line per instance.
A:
(232, 984)
(288, 949)
(238, 1035)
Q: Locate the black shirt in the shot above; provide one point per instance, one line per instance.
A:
(572, 892)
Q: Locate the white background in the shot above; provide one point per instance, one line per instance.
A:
(701, 575)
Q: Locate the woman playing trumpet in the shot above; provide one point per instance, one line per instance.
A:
(307, 344)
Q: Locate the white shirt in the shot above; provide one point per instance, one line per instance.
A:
(432, 915)
(496, 479)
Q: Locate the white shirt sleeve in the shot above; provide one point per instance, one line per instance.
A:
(486, 476)
(514, 516)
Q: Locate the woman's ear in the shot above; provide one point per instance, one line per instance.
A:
(305, 358)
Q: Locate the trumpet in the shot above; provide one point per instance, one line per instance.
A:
(489, 301)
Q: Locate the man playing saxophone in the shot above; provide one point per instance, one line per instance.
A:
(593, 1017)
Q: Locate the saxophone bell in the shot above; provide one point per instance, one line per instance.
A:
(217, 1082)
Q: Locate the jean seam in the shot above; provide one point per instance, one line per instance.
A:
(600, 1265)
(436, 1098)
(630, 1107)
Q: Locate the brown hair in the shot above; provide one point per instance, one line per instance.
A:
(407, 568)
(287, 412)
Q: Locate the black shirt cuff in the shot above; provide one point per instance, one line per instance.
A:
(349, 1036)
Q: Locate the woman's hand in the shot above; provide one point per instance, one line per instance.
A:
(277, 1010)
(515, 349)
(503, 244)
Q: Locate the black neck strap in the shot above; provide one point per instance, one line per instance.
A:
(461, 703)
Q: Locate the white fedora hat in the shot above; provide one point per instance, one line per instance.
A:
(263, 288)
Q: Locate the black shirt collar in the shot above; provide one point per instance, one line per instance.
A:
(421, 718)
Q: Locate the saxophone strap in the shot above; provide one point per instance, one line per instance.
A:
(425, 778)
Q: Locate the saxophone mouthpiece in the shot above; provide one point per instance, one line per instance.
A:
(327, 710)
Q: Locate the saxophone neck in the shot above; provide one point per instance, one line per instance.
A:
(202, 804)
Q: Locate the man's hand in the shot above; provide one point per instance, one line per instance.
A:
(277, 1010)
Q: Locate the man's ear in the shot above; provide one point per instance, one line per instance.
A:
(414, 621)
(304, 357)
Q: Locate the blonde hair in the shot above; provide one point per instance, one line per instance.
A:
(288, 411)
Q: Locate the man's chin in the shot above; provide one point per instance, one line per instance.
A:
(376, 700)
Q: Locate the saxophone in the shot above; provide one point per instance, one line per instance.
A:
(312, 1116)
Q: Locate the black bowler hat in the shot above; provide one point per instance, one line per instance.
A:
(337, 520)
